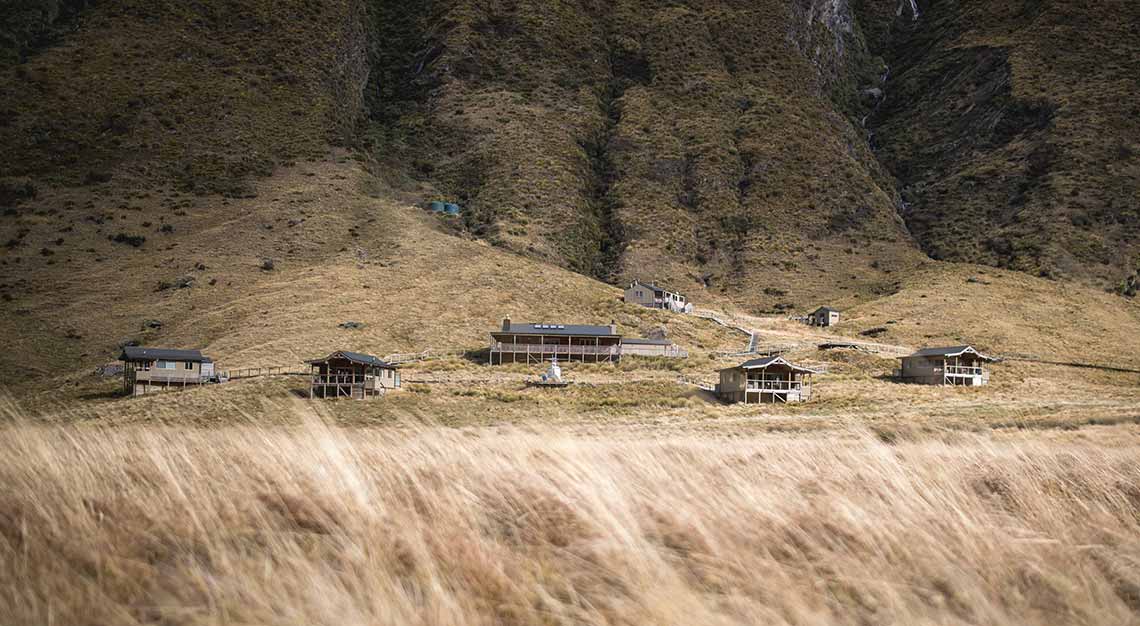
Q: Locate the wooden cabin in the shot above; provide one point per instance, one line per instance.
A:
(652, 347)
(146, 370)
(656, 297)
(956, 365)
(538, 343)
(771, 379)
(823, 316)
(352, 375)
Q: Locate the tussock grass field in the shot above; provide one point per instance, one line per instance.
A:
(316, 524)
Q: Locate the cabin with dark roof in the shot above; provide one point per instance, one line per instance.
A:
(538, 343)
(823, 316)
(146, 370)
(353, 375)
(955, 365)
(771, 379)
(655, 297)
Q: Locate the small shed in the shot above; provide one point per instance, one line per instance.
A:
(954, 365)
(146, 370)
(345, 374)
(771, 379)
(823, 316)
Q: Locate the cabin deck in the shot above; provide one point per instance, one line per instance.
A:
(355, 387)
(543, 352)
(769, 390)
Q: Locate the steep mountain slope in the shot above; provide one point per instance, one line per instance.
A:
(697, 143)
(155, 146)
(201, 96)
(1014, 131)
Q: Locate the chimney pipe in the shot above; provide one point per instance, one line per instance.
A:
(507, 323)
(613, 327)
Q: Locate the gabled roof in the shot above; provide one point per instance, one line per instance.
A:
(766, 362)
(355, 357)
(576, 330)
(139, 353)
(951, 351)
(651, 286)
(825, 309)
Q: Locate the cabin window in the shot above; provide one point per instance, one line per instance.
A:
(189, 365)
(166, 365)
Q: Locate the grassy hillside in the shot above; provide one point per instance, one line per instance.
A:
(718, 146)
(200, 95)
(1012, 128)
(699, 144)
(268, 280)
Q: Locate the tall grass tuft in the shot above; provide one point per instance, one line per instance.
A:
(321, 525)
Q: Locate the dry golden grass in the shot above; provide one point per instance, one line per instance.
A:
(345, 246)
(348, 246)
(320, 525)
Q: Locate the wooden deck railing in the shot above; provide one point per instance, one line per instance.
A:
(962, 370)
(256, 372)
(775, 385)
(151, 376)
(370, 381)
(554, 349)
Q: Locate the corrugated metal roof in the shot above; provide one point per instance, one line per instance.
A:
(577, 330)
(826, 309)
(759, 364)
(355, 357)
(139, 353)
(950, 351)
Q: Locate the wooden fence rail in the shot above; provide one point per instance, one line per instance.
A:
(258, 372)
(426, 355)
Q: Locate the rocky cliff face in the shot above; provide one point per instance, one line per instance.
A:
(1013, 131)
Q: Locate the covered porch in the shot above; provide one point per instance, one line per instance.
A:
(538, 349)
(778, 384)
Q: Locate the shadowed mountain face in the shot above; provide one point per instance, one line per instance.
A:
(1013, 130)
(203, 95)
(712, 144)
(776, 153)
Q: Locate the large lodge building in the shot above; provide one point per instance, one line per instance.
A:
(538, 343)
